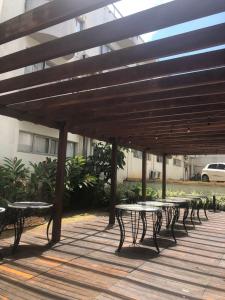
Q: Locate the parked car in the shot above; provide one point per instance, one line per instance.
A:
(214, 172)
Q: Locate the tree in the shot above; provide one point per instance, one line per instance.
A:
(99, 163)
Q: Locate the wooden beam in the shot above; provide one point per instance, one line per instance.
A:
(138, 88)
(113, 183)
(156, 115)
(169, 67)
(60, 181)
(121, 103)
(147, 108)
(195, 40)
(156, 18)
(164, 177)
(47, 15)
(144, 174)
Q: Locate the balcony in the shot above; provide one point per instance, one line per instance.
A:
(52, 32)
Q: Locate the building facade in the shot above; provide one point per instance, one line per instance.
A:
(33, 142)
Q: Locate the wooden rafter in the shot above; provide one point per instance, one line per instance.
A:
(131, 74)
(156, 18)
(195, 40)
(45, 16)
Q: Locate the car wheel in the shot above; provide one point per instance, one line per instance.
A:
(205, 178)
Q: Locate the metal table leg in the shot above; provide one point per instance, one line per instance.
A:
(144, 225)
(175, 212)
(186, 212)
(155, 220)
(135, 222)
(18, 229)
(119, 217)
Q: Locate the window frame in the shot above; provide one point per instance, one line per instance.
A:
(49, 143)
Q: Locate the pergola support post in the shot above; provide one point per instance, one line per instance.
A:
(164, 177)
(144, 173)
(113, 183)
(59, 190)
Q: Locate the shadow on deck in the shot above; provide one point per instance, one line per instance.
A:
(84, 265)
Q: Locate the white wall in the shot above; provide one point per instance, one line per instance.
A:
(133, 168)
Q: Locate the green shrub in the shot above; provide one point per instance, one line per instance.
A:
(13, 180)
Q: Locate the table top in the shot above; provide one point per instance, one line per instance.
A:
(30, 205)
(137, 207)
(159, 204)
(2, 210)
(175, 200)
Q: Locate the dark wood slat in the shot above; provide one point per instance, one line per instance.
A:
(45, 16)
(23, 116)
(132, 124)
(170, 140)
(139, 88)
(157, 114)
(149, 20)
(175, 131)
(195, 40)
(121, 103)
(143, 72)
(151, 106)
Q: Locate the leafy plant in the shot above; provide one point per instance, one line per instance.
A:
(77, 176)
(41, 186)
(99, 163)
(13, 179)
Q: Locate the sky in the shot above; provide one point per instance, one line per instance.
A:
(128, 7)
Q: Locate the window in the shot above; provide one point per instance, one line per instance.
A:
(148, 156)
(70, 151)
(159, 158)
(221, 166)
(38, 144)
(137, 154)
(41, 144)
(25, 142)
(79, 25)
(53, 147)
(37, 67)
(105, 49)
(213, 166)
(177, 162)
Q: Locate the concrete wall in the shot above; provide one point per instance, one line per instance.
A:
(133, 168)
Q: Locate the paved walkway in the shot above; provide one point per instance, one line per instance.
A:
(84, 265)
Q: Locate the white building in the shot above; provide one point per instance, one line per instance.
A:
(32, 142)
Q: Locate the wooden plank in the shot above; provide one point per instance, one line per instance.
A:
(59, 190)
(169, 67)
(168, 121)
(195, 40)
(149, 20)
(47, 15)
(139, 88)
(135, 102)
(153, 117)
(152, 107)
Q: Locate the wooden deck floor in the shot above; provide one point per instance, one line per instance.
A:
(84, 265)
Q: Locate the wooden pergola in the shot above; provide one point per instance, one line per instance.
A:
(140, 97)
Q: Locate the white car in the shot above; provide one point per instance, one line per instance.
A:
(214, 172)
